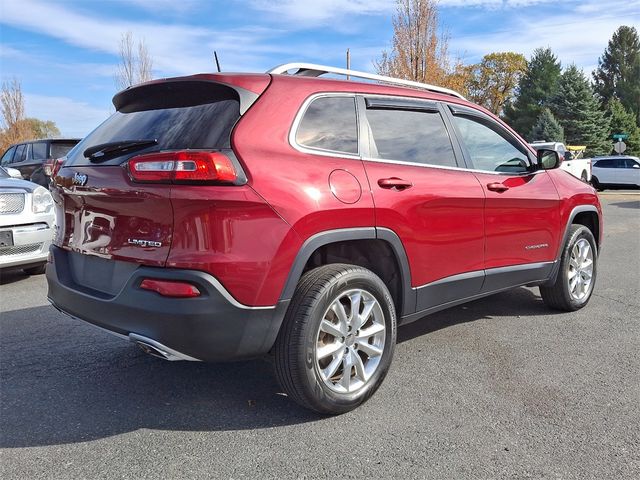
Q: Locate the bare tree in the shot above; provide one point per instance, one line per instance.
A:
(420, 50)
(135, 65)
(14, 127)
(145, 63)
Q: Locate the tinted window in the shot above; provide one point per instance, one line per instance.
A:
(490, 150)
(39, 151)
(629, 163)
(59, 149)
(330, 124)
(411, 136)
(6, 158)
(28, 153)
(20, 155)
(179, 115)
(605, 164)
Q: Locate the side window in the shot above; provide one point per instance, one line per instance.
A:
(411, 136)
(8, 155)
(39, 151)
(329, 123)
(605, 164)
(490, 150)
(21, 150)
(629, 163)
(28, 153)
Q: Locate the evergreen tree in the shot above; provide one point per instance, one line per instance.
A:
(546, 128)
(576, 108)
(623, 121)
(536, 87)
(618, 72)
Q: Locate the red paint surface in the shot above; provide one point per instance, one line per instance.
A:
(525, 215)
(248, 236)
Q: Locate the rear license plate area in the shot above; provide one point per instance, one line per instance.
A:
(6, 238)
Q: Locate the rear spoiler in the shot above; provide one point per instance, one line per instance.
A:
(180, 92)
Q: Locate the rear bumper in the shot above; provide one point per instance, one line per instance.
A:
(211, 327)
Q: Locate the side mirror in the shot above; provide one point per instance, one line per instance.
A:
(548, 159)
(13, 172)
(635, 165)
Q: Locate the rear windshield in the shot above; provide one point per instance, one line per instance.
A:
(60, 149)
(185, 115)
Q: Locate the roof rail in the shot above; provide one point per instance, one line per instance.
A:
(313, 70)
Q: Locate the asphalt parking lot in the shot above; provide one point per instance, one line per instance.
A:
(498, 388)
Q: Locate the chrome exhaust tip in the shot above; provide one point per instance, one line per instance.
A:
(156, 349)
(151, 350)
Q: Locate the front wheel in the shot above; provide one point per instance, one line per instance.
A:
(577, 274)
(337, 339)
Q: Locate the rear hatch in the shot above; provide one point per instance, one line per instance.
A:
(102, 210)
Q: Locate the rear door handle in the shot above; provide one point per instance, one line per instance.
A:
(394, 183)
(497, 187)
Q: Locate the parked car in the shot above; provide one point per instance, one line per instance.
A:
(31, 157)
(240, 215)
(571, 161)
(616, 172)
(26, 224)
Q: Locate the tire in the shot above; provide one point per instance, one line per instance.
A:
(577, 274)
(584, 177)
(596, 184)
(308, 373)
(39, 270)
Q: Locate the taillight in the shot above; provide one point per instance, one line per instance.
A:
(52, 166)
(184, 166)
(168, 288)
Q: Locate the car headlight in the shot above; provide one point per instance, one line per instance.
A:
(42, 201)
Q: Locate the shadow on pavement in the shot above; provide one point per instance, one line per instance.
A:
(12, 276)
(513, 303)
(65, 382)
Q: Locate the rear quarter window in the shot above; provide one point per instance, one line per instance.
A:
(39, 151)
(329, 123)
(59, 149)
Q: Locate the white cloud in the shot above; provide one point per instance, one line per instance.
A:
(304, 12)
(578, 39)
(73, 118)
(176, 49)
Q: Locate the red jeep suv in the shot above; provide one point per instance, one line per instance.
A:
(225, 216)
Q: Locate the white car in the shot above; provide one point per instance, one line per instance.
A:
(27, 222)
(616, 171)
(578, 167)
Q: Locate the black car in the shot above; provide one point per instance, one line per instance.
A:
(29, 157)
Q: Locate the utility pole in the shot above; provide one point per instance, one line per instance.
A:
(348, 61)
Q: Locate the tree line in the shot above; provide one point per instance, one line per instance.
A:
(537, 97)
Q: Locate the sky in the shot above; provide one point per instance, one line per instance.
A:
(65, 52)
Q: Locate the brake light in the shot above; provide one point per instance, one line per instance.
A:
(170, 288)
(182, 167)
(52, 166)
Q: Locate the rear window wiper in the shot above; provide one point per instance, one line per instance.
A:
(99, 152)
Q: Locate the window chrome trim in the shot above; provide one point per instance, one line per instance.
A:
(443, 167)
(321, 151)
(361, 156)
